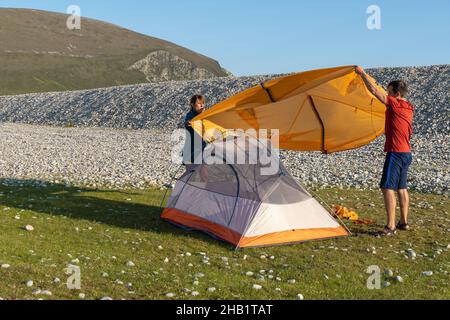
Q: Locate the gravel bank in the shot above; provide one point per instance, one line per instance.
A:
(121, 158)
(121, 134)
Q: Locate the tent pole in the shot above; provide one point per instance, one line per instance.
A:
(268, 92)
(167, 189)
(321, 123)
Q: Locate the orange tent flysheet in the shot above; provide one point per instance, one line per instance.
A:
(326, 110)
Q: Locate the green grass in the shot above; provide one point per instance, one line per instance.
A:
(126, 224)
(29, 73)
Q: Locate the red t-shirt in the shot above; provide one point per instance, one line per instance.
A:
(399, 119)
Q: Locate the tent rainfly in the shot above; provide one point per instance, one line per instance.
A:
(326, 110)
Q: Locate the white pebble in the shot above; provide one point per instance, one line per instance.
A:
(300, 297)
(130, 264)
(29, 283)
(36, 291)
(46, 293)
(412, 254)
(389, 273)
(29, 228)
(257, 287)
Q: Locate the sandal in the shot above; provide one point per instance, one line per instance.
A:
(403, 226)
(388, 232)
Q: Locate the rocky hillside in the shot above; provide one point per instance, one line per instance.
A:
(38, 53)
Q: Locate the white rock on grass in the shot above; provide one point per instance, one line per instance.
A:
(249, 274)
(56, 280)
(386, 284)
(82, 296)
(427, 273)
(399, 279)
(292, 281)
(212, 289)
(6, 266)
(257, 287)
(170, 295)
(29, 283)
(300, 297)
(195, 293)
(29, 228)
(412, 254)
(106, 299)
(389, 273)
(46, 293)
(130, 264)
(36, 291)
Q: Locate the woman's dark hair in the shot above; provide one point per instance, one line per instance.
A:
(196, 98)
(399, 86)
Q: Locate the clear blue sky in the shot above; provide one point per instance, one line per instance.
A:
(260, 36)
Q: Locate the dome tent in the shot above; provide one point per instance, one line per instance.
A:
(247, 205)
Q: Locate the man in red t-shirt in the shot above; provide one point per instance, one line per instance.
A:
(399, 119)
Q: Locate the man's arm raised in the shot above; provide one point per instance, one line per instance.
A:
(380, 94)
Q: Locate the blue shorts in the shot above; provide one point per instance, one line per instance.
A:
(395, 172)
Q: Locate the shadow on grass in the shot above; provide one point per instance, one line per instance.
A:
(107, 207)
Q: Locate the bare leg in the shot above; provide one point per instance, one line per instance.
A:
(391, 203)
(403, 197)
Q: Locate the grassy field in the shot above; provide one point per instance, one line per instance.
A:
(100, 231)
